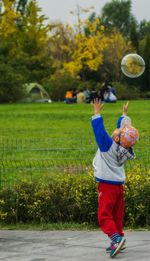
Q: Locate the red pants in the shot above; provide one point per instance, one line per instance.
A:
(111, 208)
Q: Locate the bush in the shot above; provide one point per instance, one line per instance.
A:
(145, 95)
(59, 84)
(64, 198)
(125, 92)
(137, 198)
(72, 198)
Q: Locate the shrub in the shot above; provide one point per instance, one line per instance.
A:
(72, 198)
(64, 198)
(145, 95)
(137, 198)
(59, 84)
(125, 92)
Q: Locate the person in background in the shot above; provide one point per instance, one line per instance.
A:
(86, 93)
(93, 95)
(69, 98)
(104, 90)
(112, 89)
(107, 93)
(80, 97)
(74, 93)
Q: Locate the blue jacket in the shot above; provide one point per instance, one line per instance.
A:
(109, 160)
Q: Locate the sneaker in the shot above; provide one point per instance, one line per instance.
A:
(110, 248)
(116, 248)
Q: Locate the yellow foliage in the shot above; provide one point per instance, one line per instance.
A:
(73, 67)
(88, 51)
(7, 21)
(89, 48)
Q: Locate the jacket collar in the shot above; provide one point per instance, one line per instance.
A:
(124, 154)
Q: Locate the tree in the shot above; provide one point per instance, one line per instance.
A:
(117, 47)
(134, 35)
(145, 52)
(97, 54)
(117, 13)
(34, 42)
(144, 29)
(21, 6)
(61, 44)
(12, 70)
(8, 19)
(88, 51)
(24, 53)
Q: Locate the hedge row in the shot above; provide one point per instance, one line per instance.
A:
(72, 198)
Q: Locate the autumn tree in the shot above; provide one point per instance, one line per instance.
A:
(88, 53)
(61, 44)
(12, 69)
(97, 52)
(116, 48)
(34, 42)
(8, 18)
(24, 51)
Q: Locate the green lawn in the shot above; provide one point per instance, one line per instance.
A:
(57, 118)
(59, 135)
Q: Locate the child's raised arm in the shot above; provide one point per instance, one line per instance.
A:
(97, 106)
(125, 108)
(103, 140)
(124, 119)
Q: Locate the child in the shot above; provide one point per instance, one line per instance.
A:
(112, 153)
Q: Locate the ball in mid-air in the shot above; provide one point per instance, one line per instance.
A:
(132, 65)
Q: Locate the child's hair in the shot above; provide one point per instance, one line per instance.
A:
(128, 136)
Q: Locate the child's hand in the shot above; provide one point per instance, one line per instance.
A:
(125, 108)
(97, 105)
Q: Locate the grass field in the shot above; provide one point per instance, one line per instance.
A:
(35, 136)
(57, 118)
